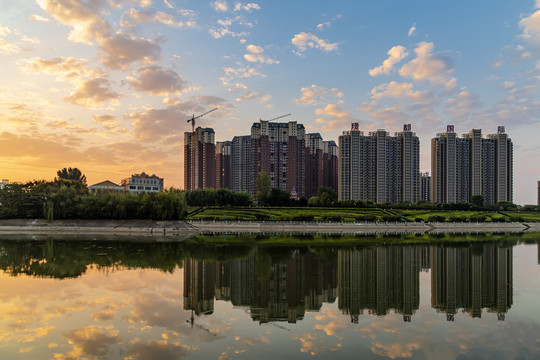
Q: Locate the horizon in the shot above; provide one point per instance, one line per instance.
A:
(108, 86)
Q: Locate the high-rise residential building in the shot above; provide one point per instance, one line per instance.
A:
(279, 150)
(321, 164)
(199, 159)
(379, 167)
(223, 164)
(240, 163)
(142, 183)
(471, 165)
(426, 187)
(330, 163)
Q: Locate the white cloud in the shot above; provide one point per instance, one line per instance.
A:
(121, 50)
(395, 55)
(257, 55)
(304, 40)
(134, 17)
(434, 68)
(314, 94)
(168, 4)
(246, 7)
(239, 73)
(38, 18)
(412, 30)
(4, 31)
(323, 25)
(400, 91)
(8, 48)
(531, 28)
(224, 27)
(220, 5)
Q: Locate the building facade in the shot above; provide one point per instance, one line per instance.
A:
(199, 159)
(471, 165)
(107, 186)
(426, 187)
(223, 164)
(240, 163)
(279, 150)
(379, 167)
(143, 183)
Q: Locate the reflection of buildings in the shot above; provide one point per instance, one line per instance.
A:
(275, 286)
(378, 280)
(281, 291)
(199, 278)
(471, 278)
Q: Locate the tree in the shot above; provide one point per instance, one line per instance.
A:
(72, 174)
(327, 196)
(477, 200)
(263, 186)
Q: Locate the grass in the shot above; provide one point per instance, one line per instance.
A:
(355, 214)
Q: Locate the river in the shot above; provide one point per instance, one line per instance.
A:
(137, 298)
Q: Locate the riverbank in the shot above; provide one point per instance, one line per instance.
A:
(191, 228)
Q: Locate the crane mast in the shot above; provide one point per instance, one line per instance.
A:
(193, 118)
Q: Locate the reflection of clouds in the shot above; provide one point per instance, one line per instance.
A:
(156, 350)
(90, 341)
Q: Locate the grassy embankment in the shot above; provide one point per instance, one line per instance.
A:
(356, 214)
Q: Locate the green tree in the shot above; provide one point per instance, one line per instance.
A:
(263, 187)
(72, 174)
(327, 196)
(477, 200)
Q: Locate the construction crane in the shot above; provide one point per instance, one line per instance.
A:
(279, 117)
(192, 120)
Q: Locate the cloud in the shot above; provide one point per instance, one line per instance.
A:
(256, 54)
(395, 55)
(157, 81)
(252, 95)
(239, 73)
(65, 68)
(246, 7)
(220, 5)
(304, 40)
(400, 91)
(83, 16)
(109, 122)
(313, 94)
(7, 48)
(92, 93)
(323, 25)
(337, 118)
(38, 18)
(434, 68)
(120, 50)
(134, 17)
(412, 30)
(531, 28)
(224, 27)
(463, 106)
(153, 125)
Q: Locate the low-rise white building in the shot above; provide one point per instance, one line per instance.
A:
(141, 183)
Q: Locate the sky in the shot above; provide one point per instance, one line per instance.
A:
(107, 86)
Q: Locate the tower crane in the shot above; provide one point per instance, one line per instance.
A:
(192, 120)
(279, 117)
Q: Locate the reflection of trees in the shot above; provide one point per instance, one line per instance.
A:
(70, 258)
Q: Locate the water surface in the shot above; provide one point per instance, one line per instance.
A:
(122, 299)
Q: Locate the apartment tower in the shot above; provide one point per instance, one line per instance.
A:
(379, 167)
(471, 165)
(199, 159)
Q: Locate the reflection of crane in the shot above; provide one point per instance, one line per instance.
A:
(192, 120)
(192, 322)
(276, 325)
(279, 117)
